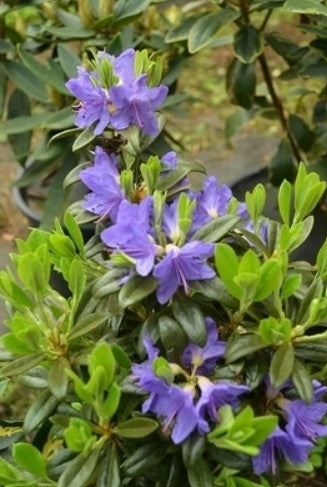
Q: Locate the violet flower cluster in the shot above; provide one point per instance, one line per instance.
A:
(112, 95)
(170, 253)
(186, 399)
(300, 428)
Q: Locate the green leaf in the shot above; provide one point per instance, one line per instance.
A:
(87, 323)
(200, 474)
(32, 273)
(285, 201)
(102, 356)
(173, 337)
(70, 33)
(181, 32)
(227, 265)
(304, 136)
(56, 197)
(291, 284)
(282, 164)
(59, 120)
(192, 449)
(30, 459)
(136, 428)
(49, 73)
(79, 470)
(144, 458)
(78, 434)
(74, 231)
(110, 472)
(240, 346)
(68, 60)
(41, 409)
(76, 280)
(207, 26)
(25, 80)
(244, 84)
(306, 7)
(248, 43)
(282, 365)
(57, 379)
(125, 9)
(216, 229)
(136, 289)
(21, 124)
(302, 381)
(84, 138)
(270, 277)
(173, 177)
(19, 105)
(111, 404)
(190, 317)
(236, 120)
(21, 364)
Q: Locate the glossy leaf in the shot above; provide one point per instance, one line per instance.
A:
(282, 365)
(136, 427)
(248, 43)
(136, 289)
(191, 319)
(207, 26)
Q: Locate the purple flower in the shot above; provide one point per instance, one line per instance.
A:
(181, 265)
(170, 221)
(94, 101)
(212, 202)
(280, 446)
(213, 396)
(177, 408)
(303, 420)
(123, 65)
(103, 180)
(130, 235)
(205, 358)
(170, 160)
(135, 103)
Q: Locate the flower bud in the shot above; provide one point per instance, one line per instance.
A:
(49, 10)
(105, 8)
(85, 12)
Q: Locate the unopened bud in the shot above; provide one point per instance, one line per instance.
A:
(85, 12)
(105, 8)
(49, 10)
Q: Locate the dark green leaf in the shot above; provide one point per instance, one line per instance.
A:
(68, 60)
(207, 26)
(87, 323)
(240, 346)
(136, 427)
(282, 365)
(40, 410)
(67, 33)
(181, 32)
(244, 84)
(19, 106)
(248, 43)
(26, 81)
(109, 473)
(57, 378)
(282, 164)
(125, 9)
(79, 470)
(216, 229)
(302, 381)
(21, 364)
(189, 315)
(306, 7)
(302, 133)
(193, 449)
(173, 337)
(144, 458)
(136, 289)
(200, 474)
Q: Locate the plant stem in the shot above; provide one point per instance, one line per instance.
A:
(265, 20)
(278, 105)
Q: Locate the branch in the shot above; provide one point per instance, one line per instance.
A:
(278, 105)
